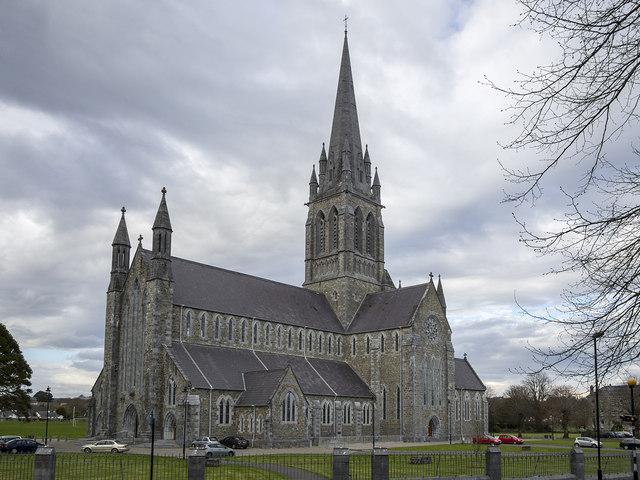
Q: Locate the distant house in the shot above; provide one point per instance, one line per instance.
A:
(42, 415)
(614, 400)
(8, 415)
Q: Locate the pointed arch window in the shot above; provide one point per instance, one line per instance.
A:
(330, 345)
(243, 331)
(346, 413)
(320, 342)
(267, 335)
(310, 342)
(366, 414)
(300, 340)
(216, 328)
(187, 325)
(289, 339)
(230, 330)
(370, 234)
(172, 392)
(254, 335)
(320, 233)
(224, 410)
(334, 229)
(326, 413)
(289, 408)
(357, 230)
(339, 346)
(384, 403)
(203, 325)
(279, 336)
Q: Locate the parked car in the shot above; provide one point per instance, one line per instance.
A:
(587, 442)
(216, 449)
(233, 441)
(624, 434)
(21, 445)
(510, 439)
(7, 438)
(105, 446)
(630, 444)
(486, 440)
(202, 441)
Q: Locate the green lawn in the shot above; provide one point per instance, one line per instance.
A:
(35, 428)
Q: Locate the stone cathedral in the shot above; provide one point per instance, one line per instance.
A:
(344, 356)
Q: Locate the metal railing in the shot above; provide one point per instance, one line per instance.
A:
(271, 466)
(612, 463)
(108, 466)
(522, 465)
(17, 467)
(426, 464)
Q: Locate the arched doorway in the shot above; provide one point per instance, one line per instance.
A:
(169, 427)
(130, 421)
(432, 427)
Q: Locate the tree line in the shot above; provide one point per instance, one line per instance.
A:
(537, 404)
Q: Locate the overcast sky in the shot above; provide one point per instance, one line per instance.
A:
(227, 104)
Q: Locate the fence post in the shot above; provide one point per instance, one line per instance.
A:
(45, 464)
(493, 463)
(340, 464)
(380, 464)
(577, 463)
(634, 464)
(196, 464)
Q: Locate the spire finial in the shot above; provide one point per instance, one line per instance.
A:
(123, 210)
(345, 24)
(140, 237)
(164, 191)
(431, 275)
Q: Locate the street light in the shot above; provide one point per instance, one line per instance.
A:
(186, 389)
(632, 382)
(595, 337)
(46, 425)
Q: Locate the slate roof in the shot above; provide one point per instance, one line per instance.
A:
(385, 310)
(221, 368)
(219, 290)
(466, 377)
(260, 387)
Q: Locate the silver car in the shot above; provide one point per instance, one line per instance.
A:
(587, 442)
(216, 449)
(105, 446)
(202, 441)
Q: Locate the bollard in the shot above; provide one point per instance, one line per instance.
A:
(196, 464)
(380, 464)
(340, 464)
(493, 465)
(576, 463)
(45, 464)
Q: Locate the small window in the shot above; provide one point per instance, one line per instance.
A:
(216, 329)
(279, 336)
(203, 325)
(398, 403)
(353, 346)
(254, 336)
(368, 345)
(330, 345)
(289, 339)
(267, 335)
(366, 414)
(384, 403)
(326, 413)
(339, 346)
(382, 342)
(224, 411)
(320, 338)
(230, 330)
(300, 340)
(187, 325)
(289, 408)
(346, 414)
(397, 341)
(243, 332)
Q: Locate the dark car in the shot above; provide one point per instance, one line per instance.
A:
(630, 444)
(21, 445)
(234, 441)
(7, 438)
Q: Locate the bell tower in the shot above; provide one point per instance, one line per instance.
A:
(344, 252)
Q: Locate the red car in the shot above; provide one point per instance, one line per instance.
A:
(510, 439)
(486, 440)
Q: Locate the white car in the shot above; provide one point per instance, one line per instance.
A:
(105, 446)
(587, 442)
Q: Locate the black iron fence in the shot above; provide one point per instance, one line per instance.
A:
(343, 464)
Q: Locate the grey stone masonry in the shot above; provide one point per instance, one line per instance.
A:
(45, 464)
(196, 464)
(493, 467)
(577, 463)
(380, 464)
(340, 464)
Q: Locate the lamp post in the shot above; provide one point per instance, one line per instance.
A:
(595, 337)
(46, 425)
(632, 382)
(152, 423)
(186, 389)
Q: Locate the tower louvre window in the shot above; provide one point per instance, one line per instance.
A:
(320, 233)
(370, 234)
(357, 231)
(334, 230)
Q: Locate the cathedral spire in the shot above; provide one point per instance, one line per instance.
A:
(161, 267)
(313, 184)
(120, 251)
(440, 292)
(345, 127)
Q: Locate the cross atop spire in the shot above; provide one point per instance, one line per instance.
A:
(345, 24)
